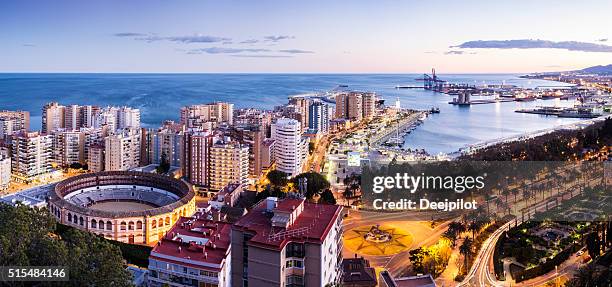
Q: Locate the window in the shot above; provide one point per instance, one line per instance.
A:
(94, 223)
(294, 281)
(294, 264)
(295, 250)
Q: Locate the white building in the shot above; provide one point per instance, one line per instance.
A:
(53, 117)
(68, 147)
(107, 117)
(32, 156)
(6, 127)
(197, 115)
(128, 118)
(122, 150)
(319, 115)
(290, 148)
(5, 172)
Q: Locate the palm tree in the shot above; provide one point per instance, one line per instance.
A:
(474, 226)
(466, 249)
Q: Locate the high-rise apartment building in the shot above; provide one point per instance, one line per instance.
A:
(164, 142)
(32, 155)
(290, 148)
(122, 150)
(369, 105)
(6, 128)
(229, 163)
(288, 243)
(53, 117)
(319, 116)
(20, 120)
(68, 147)
(195, 156)
(196, 116)
(128, 118)
(355, 105)
(95, 158)
(5, 172)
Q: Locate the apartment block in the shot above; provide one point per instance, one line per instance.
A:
(122, 150)
(32, 156)
(195, 157)
(195, 252)
(195, 116)
(288, 242)
(229, 163)
(290, 147)
(20, 120)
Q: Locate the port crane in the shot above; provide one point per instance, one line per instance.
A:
(432, 82)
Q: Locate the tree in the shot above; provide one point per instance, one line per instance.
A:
(28, 237)
(277, 178)
(466, 250)
(593, 244)
(316, 183)
(164, 164)
(327, 197)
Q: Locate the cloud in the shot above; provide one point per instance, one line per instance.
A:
(28, 45)
(222, 50)
(277, 38)
(603, 40)
(250, 41)
(198, 38)
(296, 51)
(454, 52)
(129, 34)
(262, 56)
(535, 44)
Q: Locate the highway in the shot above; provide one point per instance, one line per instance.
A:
(482, 272)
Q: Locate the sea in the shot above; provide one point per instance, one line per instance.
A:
(160, 97)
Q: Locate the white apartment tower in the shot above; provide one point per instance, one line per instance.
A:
(32, 155)
(290, 148)
(5, 172)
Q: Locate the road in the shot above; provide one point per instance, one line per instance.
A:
(482, 274)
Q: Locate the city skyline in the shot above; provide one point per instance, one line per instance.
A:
(313, 37)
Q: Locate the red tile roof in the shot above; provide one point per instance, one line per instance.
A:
(217, 240)
(312, 225)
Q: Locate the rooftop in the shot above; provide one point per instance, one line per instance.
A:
(358, 271)
(310, 222)
(196, 242)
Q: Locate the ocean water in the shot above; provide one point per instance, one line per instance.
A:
(160, 96)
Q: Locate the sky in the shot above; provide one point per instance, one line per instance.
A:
(377, 36)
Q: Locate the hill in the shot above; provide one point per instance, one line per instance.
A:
(601, 70)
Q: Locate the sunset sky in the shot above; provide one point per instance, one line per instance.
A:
(304, 36)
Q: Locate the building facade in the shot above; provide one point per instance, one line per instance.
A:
(319, 116)
(229, 163)
(288, 243)
(290, 148)
(195, 252)
(122, 150)
(195, 116)
(5, 172)
(20, 119)
(32, 156)
(196, 157)
(53, 117)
